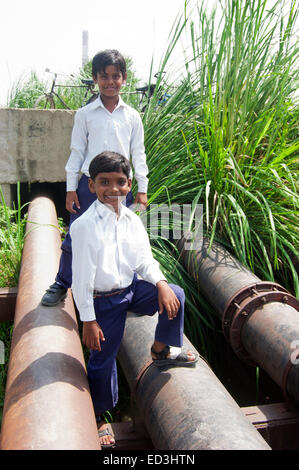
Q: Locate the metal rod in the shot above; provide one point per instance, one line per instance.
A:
(260, 319)
(182, 408)
(47, 401)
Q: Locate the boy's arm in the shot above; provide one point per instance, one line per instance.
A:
(71, 200)
(92, 334)
(167, 299)
(78, 149)
(83, 275)
(141, 201)
(139, 159)
(150, 271)
(84, 255)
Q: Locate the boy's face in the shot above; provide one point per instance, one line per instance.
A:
(110, 188)
(110, 81)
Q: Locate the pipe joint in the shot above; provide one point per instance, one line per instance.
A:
(243, 304)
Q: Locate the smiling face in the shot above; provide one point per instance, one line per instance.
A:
(111, 188)
(110, 81)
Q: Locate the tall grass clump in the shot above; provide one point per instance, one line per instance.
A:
(229, 133)
(25, 91)
(12, 232)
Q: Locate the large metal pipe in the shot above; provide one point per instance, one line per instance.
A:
(47, 401)
(260, 319)
(182, 408)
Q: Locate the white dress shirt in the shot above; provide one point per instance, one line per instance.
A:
(96, 130)
(107, 251)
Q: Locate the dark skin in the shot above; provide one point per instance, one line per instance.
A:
(109, 82)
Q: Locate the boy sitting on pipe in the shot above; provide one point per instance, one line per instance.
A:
(110, 248)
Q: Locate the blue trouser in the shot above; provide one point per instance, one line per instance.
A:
(86, 198)
(140, 297)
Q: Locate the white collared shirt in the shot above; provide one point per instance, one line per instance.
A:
(107, 251)
(97, 130)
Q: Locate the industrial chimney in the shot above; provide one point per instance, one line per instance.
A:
(84, 48)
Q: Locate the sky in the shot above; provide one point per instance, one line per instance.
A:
(39, 34)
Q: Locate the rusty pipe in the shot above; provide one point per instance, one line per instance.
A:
(182, 408)
(47, 401)
(259, 319)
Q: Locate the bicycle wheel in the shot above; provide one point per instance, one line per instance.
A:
(44, 102)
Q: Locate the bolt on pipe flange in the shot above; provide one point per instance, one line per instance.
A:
(245, 302)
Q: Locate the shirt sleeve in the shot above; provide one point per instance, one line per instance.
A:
(146, 266)
(78, 151)
(83, 270)
(138, 154)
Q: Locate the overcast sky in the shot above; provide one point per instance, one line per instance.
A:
(36, 34)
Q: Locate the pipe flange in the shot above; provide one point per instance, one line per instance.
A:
(235, 302)
(243, 314)
(243, 304)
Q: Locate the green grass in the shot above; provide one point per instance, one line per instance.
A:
(229, 133)
(12, 231)
(25, 91)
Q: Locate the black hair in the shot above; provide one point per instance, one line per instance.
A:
(108, 57)
(107, 162)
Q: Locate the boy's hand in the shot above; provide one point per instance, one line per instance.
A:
(141, 199)
(72, 198)
(167, 299)
(92, 334)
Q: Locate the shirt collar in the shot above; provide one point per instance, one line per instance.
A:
(104, 211)
(98, 103)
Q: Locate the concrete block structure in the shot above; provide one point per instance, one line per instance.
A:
(34, 146)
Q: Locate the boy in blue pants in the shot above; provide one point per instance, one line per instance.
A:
(110, 248)
(105, 124)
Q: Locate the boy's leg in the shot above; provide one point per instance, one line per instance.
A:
(168, 333)
(129, 199)
(145, 302)
(111, 315)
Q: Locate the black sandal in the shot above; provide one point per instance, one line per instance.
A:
(181, 360)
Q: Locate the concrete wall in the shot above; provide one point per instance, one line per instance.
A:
(34, 145)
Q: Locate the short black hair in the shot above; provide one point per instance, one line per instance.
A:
(107, 162)
(108, 57)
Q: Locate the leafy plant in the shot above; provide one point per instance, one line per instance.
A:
(24, 93)
(12, 231)
(228, 135)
